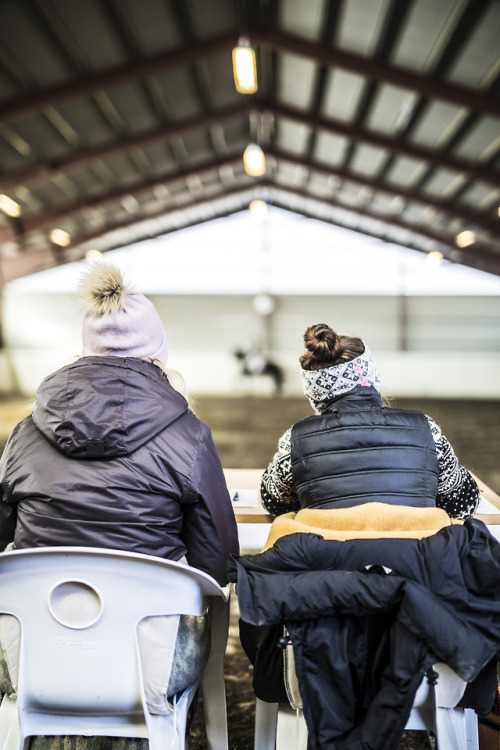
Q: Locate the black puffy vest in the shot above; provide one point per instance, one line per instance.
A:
(359, 451)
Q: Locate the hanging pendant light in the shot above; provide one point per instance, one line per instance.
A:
(254, 160)
(465, 238)
(9, 206)
(60, 237)
(244, 68)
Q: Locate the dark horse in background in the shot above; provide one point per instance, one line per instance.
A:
(254, 362)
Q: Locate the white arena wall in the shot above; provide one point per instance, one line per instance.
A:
(434, 346)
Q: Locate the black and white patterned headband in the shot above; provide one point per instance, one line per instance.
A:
(320, 386)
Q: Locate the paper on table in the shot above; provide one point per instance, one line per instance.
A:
(245, 498)
(486, 507)
(249, 499)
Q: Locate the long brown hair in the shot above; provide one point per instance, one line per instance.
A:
(326, 348)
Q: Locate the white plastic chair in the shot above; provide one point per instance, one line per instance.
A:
(282, 727)
(79, 666)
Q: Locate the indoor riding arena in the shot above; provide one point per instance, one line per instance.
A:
(254, 246)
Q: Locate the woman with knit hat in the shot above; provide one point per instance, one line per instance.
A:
(355, 450)
(112, 456)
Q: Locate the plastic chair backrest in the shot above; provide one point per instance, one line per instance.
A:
(79, 668)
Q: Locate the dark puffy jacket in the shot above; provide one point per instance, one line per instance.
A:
(358, 451)
(363, 639)
(112, 457)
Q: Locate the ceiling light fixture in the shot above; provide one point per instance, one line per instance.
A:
(435, 258)
(258, 208)
(244, 68)
(465, 238)
(254, 160)
(60, 237)
(9, 207)
(264, 304)
(93, 255)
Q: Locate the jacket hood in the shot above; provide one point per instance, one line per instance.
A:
(102, 407)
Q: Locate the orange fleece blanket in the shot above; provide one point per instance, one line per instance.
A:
(367, 521)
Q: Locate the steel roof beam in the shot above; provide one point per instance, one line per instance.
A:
(35, 222)
(482, 259)
(394, 221)
(473, 252)
(286, 43)
(374, 69)
(75, 159)
(38, 170)
(475, 256)
(374, 138)
(36, 100)
(263, 184)
(491, 224)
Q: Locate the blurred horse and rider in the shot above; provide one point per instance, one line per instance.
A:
(255, 363)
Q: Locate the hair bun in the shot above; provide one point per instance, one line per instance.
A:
(325, 347)
(321, 332)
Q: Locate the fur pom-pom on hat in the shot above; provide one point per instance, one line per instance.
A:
(103, 290)
(119, 321)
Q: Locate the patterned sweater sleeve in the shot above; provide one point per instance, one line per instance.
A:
(458, 493)
(276, 489)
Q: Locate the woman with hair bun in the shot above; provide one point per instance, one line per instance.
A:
(363, 561)
(355, 449)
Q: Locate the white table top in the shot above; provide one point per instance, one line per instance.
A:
(244, 485)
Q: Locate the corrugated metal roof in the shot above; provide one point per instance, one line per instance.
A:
(119, 120)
